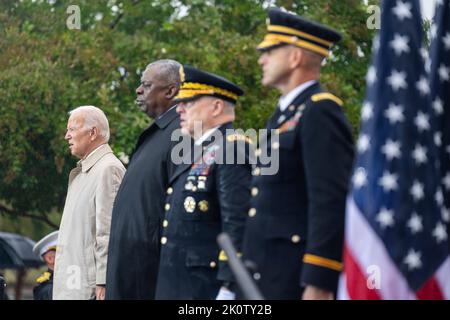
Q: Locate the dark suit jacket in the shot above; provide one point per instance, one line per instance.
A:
(294, 233)
(133, 255)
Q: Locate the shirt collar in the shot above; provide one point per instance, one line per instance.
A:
(205, 136)
(287, 99)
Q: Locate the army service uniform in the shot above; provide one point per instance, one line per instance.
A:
(208, 195)
(294, 233)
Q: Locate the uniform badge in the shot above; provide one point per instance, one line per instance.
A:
(189, 204)
(292, 122)
(281, 118)
(203, 205)
(189, 185)
(201, 182)
(202, 167)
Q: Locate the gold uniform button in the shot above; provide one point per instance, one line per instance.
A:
(163, 240)
(275, 145)
(257, 171)
(165, 223)
(212, 264)
(295, 238)
(255, 191)
(291, 108)
(194, 188)
(167, 207)
(252, 212)
(170, 190)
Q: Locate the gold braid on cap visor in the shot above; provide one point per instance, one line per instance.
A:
(272, 39)
(192, 89)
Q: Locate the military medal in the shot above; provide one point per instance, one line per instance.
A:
(189, 204)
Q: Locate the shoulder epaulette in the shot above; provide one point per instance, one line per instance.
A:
(239, 137)
(327, 96)
(44, 277)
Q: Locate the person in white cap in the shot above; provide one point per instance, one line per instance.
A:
(46, 250)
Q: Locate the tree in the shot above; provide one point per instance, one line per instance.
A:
(48, 69)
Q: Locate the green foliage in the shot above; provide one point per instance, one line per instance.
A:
(48, 70)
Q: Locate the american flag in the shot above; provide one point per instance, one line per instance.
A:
(439, 67)
(396, 235)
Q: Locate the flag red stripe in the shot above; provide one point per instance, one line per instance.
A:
(356, 280)
(430, 291)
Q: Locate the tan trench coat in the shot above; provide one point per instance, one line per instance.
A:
(82, 248)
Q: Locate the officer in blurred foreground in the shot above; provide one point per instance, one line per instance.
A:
(46, 250)
(207, 195)
(294, 233)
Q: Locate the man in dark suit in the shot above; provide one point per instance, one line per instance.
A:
(207, 196)
(133, 256)
(294, 233)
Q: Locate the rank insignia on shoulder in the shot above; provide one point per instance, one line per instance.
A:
(239, 137)
(44, 277)
(327, 96)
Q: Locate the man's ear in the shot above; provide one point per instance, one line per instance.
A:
(94, 133)
(171, 92)
(218, 106)
(296, 57)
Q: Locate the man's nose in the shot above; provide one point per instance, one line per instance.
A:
(262, 59)
(67, 136)
(139, 90)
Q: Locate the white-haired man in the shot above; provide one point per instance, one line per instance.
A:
(80, 266)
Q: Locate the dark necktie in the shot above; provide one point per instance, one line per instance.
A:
(273, 120)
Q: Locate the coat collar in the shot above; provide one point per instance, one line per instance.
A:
(160, 123)
(167, 117)
(300, 99)
(94, 157)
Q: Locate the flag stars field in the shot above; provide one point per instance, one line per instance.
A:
(417, 191)
(423, 86)
(363, 143)
(397, 80)
(400, 44)
(359, 178)
(394, 113)
(367, 111)
(422, 121)
(389, 181)
(440, 232)
(391, 150)
(371, 76)
(415, 223)
(402, 10)
(413, 260)
(385, 218)
(420, 154)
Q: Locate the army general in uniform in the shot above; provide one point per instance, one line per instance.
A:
(207, 195)
(294, 233)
